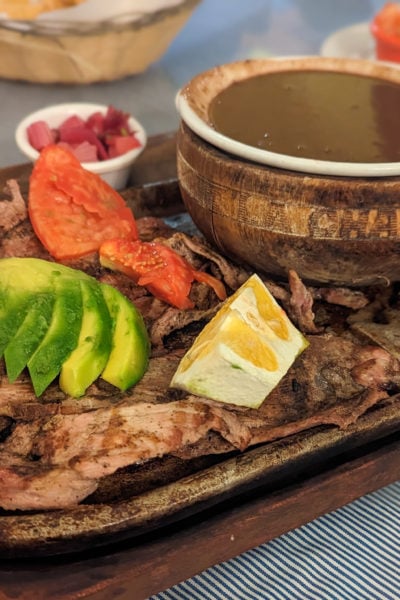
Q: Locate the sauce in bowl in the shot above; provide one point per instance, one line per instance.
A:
(324, 115)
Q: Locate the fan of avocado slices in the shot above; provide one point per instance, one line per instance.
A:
(56, 321)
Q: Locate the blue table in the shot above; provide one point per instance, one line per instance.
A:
(352, 553)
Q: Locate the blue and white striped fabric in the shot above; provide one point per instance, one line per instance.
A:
(350, 554)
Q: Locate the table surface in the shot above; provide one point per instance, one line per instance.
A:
(218, 31)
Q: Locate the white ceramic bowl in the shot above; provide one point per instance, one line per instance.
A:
(114, 171)
(194, 99)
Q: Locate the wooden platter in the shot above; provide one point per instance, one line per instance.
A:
(242, 500)
(147, 566)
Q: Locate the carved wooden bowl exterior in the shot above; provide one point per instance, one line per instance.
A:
(331, 230)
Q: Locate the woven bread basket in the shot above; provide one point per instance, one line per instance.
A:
(80, 53)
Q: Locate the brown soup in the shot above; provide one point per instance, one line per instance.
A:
(313, 114)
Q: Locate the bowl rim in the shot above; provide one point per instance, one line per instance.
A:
(193, 111)
(60, 113)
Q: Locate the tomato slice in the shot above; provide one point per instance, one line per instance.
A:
(73, 210)
(163, 272)
(213, 282)
(388, 18)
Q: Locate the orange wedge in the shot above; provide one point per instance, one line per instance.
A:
(244, 351)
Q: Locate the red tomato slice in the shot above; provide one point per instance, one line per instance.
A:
(163, 272)
(388, 18)
(213, 282)
(72, 210)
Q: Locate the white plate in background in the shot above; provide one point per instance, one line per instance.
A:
(354, 41)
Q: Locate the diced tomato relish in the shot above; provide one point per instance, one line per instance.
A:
(99, 137)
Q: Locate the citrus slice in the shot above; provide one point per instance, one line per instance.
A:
(244, 351)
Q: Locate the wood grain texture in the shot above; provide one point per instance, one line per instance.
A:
(331, 230)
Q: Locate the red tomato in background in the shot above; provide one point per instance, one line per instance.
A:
(72, 210)
(163, 272)
(388, 18)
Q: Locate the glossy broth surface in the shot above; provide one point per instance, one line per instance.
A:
(313, 114)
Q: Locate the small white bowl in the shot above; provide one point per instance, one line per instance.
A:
(114, 171)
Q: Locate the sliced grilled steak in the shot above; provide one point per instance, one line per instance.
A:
(153, 227)
(301, 305)
(19, 402)
(55, 450)
(175, 320)
(25, 485)
(13, 209)
(333, 382)
(73, 452)
(195, 250)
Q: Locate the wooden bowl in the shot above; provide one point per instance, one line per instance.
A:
(337, 230)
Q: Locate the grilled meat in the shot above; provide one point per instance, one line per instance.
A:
(327, 385)
(55, 450)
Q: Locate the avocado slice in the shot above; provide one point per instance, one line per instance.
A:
(21, 279)
(93, 328)
(12, 315)
(61, 337)
(35, 274)
(130, 350)
(18, 287)
(29, 334)
(87, 361)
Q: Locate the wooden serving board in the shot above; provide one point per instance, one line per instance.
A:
(137, 570)
(353, 464)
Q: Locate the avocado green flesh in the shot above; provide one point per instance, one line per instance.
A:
(29, 335)
(21, 279)
(18, 288)
(61, 337)
(87, 361)
(35, 274)
(10, 321)
(130, 351)
(58, 321)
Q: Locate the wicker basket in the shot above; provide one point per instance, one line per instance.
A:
(51, 52)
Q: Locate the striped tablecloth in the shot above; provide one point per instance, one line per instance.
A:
(352, 553)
